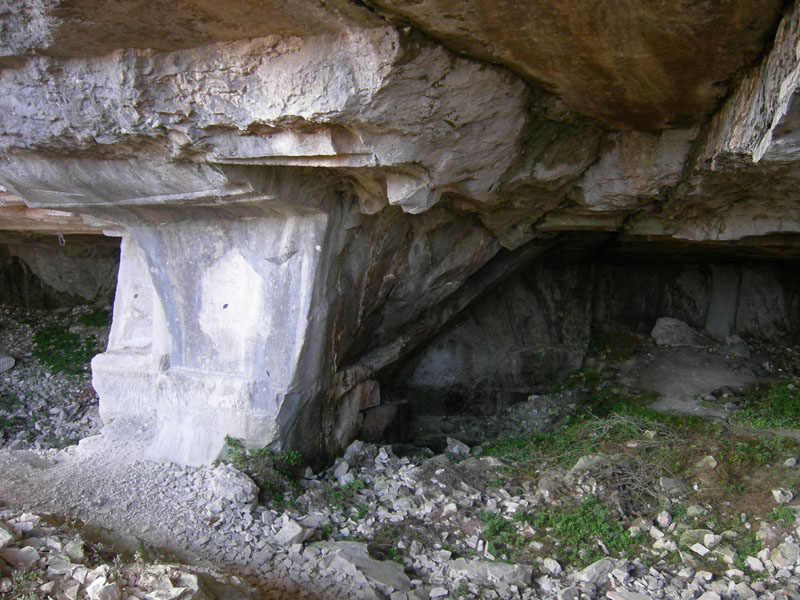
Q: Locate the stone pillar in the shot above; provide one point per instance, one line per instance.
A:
(220, 327)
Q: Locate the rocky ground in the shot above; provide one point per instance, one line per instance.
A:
(584, 491)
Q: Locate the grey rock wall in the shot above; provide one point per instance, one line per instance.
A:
(536, 328)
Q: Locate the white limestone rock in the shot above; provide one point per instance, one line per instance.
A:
(292, 533)
(596, 573)
(228, 483)
(352, 557)
(782, 495)
(6, 536)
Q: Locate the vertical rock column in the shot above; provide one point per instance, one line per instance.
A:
(220, 322)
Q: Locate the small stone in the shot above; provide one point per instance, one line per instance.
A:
(292, 533)
(570, 593)
(744, 592)
(228, 483)
(438, 592)
(27, 556)
(785, 555)
(47, 588)
(627, 595)
(790, 462)
(597, 572)
(656, 533)
(769, 535)
(6, 363)
(754, 564)
(673, 332)
(707, 462)
(58, 564)
(782, 495)
(456, 449)
(710, 596)
(109, 591)
(704, 576)
(552, 566)
(711, 539)
(70, 589)
(695, 510)
(74, 550)
(664, 519)
(700, 549)
(341, 469)
(6, 537)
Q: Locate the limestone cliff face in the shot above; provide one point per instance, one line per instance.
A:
(308, 192)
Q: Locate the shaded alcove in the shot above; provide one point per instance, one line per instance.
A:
(42, 271)
(536, 327)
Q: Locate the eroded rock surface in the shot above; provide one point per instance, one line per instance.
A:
(308, 194)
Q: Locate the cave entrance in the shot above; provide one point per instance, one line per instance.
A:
(584, 307)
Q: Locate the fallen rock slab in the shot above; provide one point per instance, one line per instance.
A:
(487, 573)
(673, 332)
(353, 556)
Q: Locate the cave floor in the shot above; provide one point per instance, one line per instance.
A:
(102, 483)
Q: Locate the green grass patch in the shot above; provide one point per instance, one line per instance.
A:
(503, 540)
(62, 350)
(783, 515)
(748, 545)
(777, 405)
(577, 531)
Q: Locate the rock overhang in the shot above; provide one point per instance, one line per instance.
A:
(356, 175)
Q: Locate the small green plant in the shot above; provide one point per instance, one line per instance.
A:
(361, 511)
(749, 545)
(579, 529)
(345, 494)
(784, 514)
(276, 475)
(503, 540)
(23, 585)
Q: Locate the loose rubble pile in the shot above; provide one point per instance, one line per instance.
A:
(39, 560)
(421, 533)
(39, 407)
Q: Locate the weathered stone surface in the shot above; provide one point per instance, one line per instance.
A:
(597, 572)
(623, 64)
(353, 557)
(38, 271)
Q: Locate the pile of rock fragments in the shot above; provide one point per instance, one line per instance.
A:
(380, 522)
(41, 408)
(432, 509)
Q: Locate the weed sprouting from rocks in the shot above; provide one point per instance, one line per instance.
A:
(276, 474)
(580, 530)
